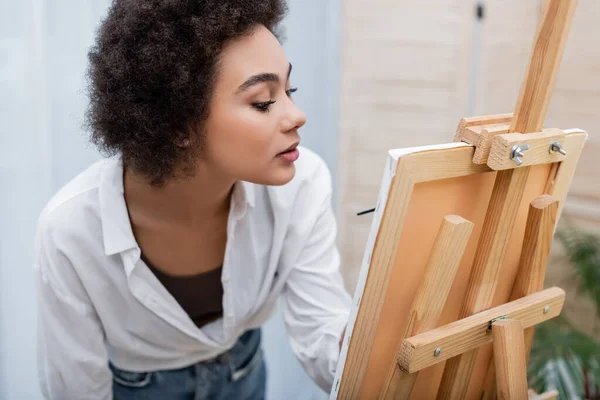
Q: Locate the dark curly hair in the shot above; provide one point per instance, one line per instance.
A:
(152, 72)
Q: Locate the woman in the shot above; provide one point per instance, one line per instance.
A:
(156, 268)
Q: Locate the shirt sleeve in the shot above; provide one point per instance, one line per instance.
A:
(315, 303)
(72, 358)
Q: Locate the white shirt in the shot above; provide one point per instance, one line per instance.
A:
(97, 300)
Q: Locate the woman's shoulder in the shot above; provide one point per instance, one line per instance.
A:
(310, 166)
(67, 208)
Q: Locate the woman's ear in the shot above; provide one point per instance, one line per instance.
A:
(184, 140)
(183, 143)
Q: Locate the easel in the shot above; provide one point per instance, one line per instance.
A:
(511, 144)
(508, 143)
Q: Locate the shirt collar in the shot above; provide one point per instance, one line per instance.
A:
(116, 226)
(242, 198)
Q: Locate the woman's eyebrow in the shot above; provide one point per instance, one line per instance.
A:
(261, 78)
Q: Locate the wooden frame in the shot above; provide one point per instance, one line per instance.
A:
(421, 187)
(540, 147)
(418, 352)
(406, 170)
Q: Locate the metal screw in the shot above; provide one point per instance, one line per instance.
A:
(517, 153)
(437, 352)
(546, 309)
(496, 319)
(556, 146)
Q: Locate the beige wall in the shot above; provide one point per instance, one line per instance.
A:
(407, 68)
(404, 83)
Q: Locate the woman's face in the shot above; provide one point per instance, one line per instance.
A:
(253, 119)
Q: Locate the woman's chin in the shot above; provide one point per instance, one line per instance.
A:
(277, 177)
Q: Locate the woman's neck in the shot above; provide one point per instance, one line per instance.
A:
(193, 201)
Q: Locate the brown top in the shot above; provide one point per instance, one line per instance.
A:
(200, 296)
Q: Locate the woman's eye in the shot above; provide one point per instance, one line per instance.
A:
(264, 106)
(290, 91)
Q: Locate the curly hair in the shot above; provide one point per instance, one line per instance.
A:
(152, 72)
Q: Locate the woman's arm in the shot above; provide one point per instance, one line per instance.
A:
(316, 305)
(72, 359)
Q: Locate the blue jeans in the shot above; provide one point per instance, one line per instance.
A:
(238, 374)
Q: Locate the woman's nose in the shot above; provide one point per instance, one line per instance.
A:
(294, 119)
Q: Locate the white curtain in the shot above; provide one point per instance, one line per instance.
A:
(43, 48)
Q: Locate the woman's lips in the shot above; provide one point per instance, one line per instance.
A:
(290, 156)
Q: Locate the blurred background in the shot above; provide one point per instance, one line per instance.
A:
(372, 76)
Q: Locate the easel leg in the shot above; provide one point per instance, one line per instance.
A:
(539, 231)
(509, 359)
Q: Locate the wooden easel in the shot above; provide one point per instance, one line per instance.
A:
(510, 144)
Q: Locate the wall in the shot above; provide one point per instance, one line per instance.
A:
(43, 46)
(405, 79)
(40, 147)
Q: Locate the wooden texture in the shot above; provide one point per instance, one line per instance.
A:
(560, 183)
(487, 136)
(529, 115)
(480, 121)
(469, 333)
(427, 306)
(539, 231)
(509, 359)
(480, 131)
(541, 221)
(425, 98)
(504, 53)
(497, 229)
(410, 170)
(423, 183)
(538, 153)
(575, 103)
(550, 40)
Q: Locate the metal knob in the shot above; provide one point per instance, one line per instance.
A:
(557, 147)
(517, 153)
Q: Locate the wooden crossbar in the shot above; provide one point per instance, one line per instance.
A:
(434, 346)
(538, 148)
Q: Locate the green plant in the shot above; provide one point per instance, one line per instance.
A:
(563, 357)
